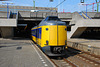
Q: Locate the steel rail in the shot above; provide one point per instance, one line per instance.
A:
(86, 57)
(73, 65)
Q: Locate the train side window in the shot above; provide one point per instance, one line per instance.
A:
(37, 33)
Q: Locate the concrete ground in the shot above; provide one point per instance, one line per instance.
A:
(94, 43)
(21, 53)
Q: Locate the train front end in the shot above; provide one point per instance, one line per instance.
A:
(54, 38)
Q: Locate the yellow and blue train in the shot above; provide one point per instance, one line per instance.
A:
(51, 36)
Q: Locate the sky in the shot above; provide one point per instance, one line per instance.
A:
(67, 6)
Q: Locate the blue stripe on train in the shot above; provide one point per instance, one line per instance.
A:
(37, 33)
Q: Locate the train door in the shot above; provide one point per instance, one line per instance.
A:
(62, 35)
(38, 39)
(44, 36)
(53, 35)
(37, 34)
(40, 36)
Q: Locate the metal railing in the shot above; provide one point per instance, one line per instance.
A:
(80, 13)
(86, 15)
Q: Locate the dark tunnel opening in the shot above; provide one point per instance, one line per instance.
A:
(91, 33)
(24, 28)
(0, 35)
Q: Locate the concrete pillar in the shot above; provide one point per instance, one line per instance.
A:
(7, 32)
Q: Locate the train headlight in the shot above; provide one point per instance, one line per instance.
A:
(47, 42)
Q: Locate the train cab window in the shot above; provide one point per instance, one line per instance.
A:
(54, 19)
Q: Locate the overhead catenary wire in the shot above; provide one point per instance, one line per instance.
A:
(90, 8)
(60, 3)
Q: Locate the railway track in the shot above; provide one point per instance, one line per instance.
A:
(62, 62)
(82, 59)
(59, 61)
(76, 58)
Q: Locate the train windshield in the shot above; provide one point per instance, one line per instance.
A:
(54, 19)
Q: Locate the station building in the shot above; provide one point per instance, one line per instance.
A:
(22, 18)
(12, 22)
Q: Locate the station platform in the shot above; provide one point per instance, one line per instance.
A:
(21, 53)
(88, 45)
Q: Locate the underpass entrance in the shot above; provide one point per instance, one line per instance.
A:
(24, 28)
(0, 33)
(91, 33)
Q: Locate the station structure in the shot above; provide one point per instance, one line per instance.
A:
(19, 20)
(22, 19)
